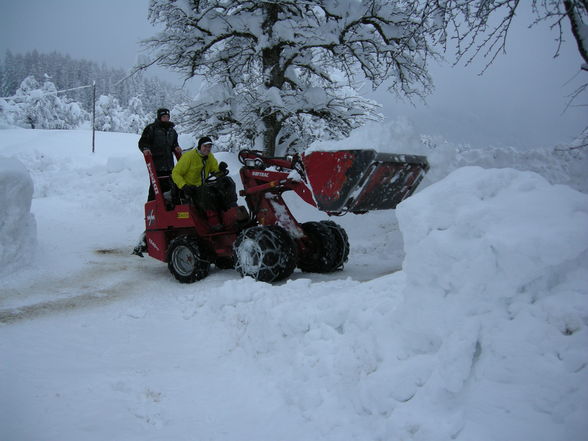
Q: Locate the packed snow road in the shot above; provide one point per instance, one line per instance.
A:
(113, 274)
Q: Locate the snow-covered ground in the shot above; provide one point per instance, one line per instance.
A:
(461, 315)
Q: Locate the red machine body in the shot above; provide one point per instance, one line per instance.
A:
(267, 242)
(164, 221)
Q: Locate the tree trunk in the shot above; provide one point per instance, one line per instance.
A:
(271, 129)
(576, 22)
(273, 76)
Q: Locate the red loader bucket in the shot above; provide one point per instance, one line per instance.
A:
(362, 180)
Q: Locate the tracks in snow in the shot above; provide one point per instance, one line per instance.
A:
(114, 274)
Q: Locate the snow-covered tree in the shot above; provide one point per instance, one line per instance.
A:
(39, 106)
(31, 103)
(109, 114)
(7, 113)
(74, 114)
(288, 71)
(136, 119)
(112, 117)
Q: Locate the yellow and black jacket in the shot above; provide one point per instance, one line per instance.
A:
(193, 168)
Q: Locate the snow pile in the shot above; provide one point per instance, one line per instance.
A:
(18, 232)
(495, 313)
(482, 335)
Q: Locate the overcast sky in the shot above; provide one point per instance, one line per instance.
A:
(519, 101)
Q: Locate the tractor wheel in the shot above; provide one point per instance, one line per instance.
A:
(185, 259)
(265, 253)
(342, 242)
(323, 253)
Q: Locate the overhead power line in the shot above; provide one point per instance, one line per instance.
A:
(47, 93)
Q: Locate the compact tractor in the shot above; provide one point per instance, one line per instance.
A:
(264, 240)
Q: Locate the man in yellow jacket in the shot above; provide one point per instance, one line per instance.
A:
(191, 172)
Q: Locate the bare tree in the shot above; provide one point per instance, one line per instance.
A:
(481, 28)
(287, 72)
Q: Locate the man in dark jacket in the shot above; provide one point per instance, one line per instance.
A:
(161, 140)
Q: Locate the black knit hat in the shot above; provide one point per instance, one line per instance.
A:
(161, 112)
(204, 140)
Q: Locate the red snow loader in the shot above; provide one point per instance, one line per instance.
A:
(264, 240)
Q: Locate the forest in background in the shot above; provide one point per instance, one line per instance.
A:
(29, 85)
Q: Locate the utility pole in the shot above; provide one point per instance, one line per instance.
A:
(93, 114)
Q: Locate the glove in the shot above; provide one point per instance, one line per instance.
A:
(223, 170)
(189, 190)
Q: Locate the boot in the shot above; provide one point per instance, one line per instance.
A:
(141, 246)
(235, 215)
(213, 221)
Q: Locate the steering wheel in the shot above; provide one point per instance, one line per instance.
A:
(214, 177)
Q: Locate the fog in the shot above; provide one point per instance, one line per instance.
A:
(520, 100)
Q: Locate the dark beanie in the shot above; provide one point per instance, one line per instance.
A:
(161, 112)
(204, 140)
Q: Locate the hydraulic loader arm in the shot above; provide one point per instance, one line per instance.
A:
(339, 181)
(262, 174)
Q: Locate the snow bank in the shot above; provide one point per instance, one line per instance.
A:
(482, 336)
(18, 231)
(496, 307)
